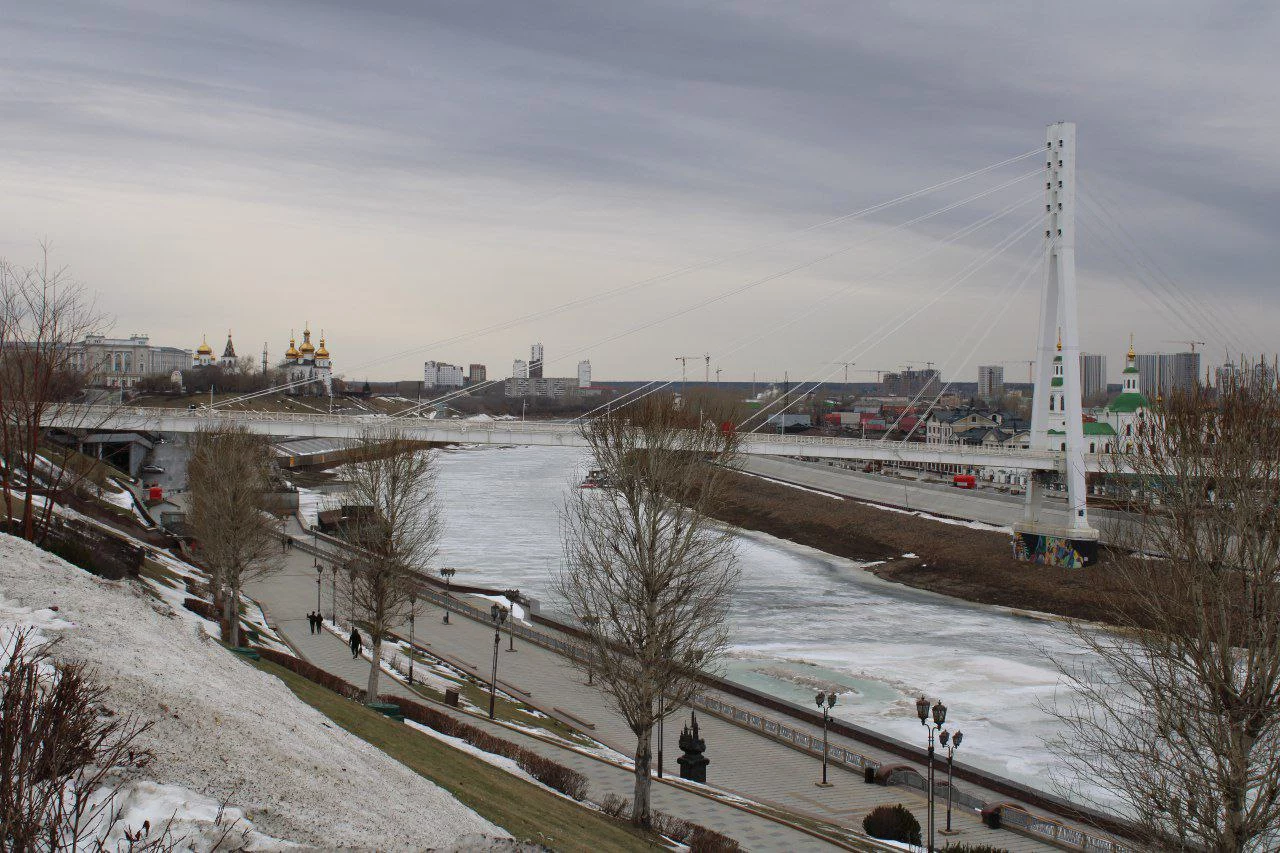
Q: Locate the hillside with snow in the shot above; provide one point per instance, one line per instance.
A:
(224, 731)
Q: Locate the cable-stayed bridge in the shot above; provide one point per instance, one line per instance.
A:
(542, 434)
(1058, 453)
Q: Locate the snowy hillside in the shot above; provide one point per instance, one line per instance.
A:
(224, 730)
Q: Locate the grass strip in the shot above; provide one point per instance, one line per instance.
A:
(523, 809)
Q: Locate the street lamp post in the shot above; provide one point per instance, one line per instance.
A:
(333, 601)
(825, 703)
(662, 716)
(513, 596)
(413, 607)
(590, 621)
(319, 574)
(447, 574)
(952, 746)
(351, 576)
(498, 615)
(938, 713)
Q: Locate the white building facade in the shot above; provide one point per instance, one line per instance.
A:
(438, 374)
(584, 374)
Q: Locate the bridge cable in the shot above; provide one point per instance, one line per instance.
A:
(856, 286)
(729, 293)
(693, 267)
(862, 346)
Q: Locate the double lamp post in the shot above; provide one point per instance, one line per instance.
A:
(937, 716)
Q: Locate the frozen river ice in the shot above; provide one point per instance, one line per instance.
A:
(801, 619)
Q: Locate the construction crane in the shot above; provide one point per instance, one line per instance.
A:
(1031, 366)
(684, 362)
(1191, 344)
(928, 365)
(878, 373)
(847, 365)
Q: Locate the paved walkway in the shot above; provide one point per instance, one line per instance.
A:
(742, 761)
(290, 594)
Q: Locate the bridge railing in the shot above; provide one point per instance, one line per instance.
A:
(876, 447)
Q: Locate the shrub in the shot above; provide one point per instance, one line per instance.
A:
(703, 840)
(894, 823)
(201, 608)
(545, 770)
(311, 672)
(615, 806)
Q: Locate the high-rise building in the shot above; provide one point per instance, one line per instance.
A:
(535, 361)
(1159, 374)
(519, 369)
(910, 382)
(477, 373)
(990, 382)
(1093, 375)
(437, 374)
(584, 374)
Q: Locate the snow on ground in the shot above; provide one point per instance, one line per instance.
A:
(793, 486)
(975, 525)
(222, 729)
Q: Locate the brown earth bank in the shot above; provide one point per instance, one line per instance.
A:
(974, 565)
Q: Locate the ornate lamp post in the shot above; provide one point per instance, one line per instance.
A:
(447, 574)
(319, 573)
(938, 713)
(413, 608)
(513, 596)
(498, 615)
(825, 703)
(952, 746)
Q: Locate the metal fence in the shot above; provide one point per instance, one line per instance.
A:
(807, 741)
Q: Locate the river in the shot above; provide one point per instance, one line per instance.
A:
(801, 618)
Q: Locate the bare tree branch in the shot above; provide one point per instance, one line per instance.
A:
(1177, 714)
(647, 573)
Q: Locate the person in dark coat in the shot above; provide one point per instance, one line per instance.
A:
(355, 643)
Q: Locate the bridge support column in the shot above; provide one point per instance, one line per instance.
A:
(1056, 414)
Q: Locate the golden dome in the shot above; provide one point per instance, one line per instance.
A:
(307, 348)
(204, 348)
(1059, 339)
(292, 351)
(322, 352)
(1132, 354)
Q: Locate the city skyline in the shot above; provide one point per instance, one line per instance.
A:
(450, 169)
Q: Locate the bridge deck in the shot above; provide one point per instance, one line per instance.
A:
(543, 434)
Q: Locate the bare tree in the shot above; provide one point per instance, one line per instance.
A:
(229, 475)
(61, 757)
(43, 315)
(647, 573)
(1177, 714)
(395, 526)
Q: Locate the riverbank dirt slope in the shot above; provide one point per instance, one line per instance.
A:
(967, 563)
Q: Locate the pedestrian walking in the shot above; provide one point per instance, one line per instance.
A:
(313, 622)
(355, 644)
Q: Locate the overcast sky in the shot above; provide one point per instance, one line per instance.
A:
(402, 173)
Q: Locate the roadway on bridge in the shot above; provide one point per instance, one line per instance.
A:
(941, 499)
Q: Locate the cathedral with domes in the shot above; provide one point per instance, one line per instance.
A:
(307, 368)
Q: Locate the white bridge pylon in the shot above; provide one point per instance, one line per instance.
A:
(541, 434)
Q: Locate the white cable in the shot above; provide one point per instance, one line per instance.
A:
(714, 261)
(739, 289)
(869, 341)
(860, 285)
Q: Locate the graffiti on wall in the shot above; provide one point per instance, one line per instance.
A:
(1047, 551)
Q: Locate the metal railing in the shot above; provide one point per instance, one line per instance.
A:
(491, 429)
(1064, 836)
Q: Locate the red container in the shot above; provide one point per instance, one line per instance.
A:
(964, 481)
(155, 493)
